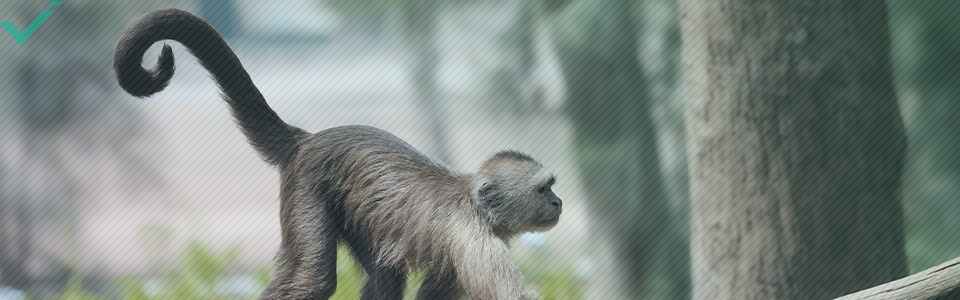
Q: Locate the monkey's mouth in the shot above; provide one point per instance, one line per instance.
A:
(547, 224)
(551, 219)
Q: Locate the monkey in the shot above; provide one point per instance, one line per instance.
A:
(395, 208)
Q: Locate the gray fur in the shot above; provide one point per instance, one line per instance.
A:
(394, 207)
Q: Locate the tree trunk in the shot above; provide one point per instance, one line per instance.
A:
(795, 146)
(419, 23)
(615, 140)
(524, 81)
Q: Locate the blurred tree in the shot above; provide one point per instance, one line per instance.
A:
(417, 19)
(63, 125)
(926, 35)
(521, 91)
(615, 139)
(796, 148)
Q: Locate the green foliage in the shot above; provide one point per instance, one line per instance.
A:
(350, 277)
(76, 291)
(196, 275)
(552, 281)
(201, 273)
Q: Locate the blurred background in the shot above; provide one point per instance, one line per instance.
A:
(106, 196)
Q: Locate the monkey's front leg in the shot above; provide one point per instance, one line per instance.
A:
(486, 270)
(445, 286)
(438, 285)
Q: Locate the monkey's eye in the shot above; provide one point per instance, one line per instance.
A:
(542, 190)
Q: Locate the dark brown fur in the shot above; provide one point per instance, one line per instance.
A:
(394, 207)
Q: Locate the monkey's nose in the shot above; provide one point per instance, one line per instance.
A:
(556, 202)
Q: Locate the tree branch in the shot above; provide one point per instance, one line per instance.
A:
(927, 284)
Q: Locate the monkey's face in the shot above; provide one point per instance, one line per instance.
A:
(550, 206)
(516, 195)
(545, 205)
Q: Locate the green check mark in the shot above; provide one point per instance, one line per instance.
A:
(22, 36)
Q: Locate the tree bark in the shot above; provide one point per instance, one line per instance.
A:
(795, 147)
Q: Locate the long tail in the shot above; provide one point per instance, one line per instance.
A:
(276, 141)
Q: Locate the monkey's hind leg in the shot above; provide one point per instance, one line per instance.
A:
(307, 262)
(440, 286)
(383, 282)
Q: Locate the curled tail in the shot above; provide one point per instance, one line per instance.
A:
(276, 141)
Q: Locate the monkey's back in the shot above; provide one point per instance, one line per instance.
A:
(354, 150)
(386, 191)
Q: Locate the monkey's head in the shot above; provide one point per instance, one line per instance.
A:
(515, 194)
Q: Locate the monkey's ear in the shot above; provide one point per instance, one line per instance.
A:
(483, 188)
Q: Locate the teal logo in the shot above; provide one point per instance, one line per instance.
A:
(22, 36)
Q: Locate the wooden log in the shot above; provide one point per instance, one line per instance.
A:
(927, 284)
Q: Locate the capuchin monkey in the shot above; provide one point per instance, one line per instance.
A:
(395, 208)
